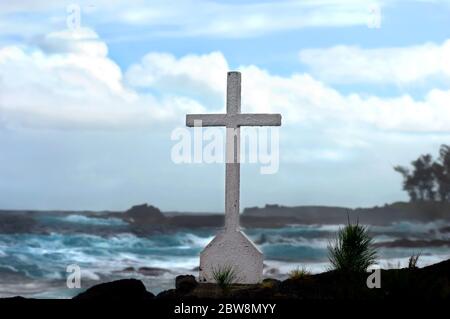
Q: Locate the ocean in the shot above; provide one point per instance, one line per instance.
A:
(33, 264)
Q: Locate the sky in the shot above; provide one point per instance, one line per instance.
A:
(92, 91)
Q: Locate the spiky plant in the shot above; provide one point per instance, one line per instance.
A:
(299, 273)
(352, 250)
(224, 276)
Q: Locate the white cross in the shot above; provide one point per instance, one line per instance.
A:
(231, 246)
(233, 120)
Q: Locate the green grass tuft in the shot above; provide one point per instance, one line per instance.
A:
(412, 262)
(299, 273)
(225, 276)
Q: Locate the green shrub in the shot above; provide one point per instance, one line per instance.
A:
(352, 250)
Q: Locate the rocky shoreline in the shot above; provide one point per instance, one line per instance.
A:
(427, 283)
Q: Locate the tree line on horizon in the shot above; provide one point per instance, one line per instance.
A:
(428, 180)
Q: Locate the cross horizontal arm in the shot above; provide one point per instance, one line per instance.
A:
(250, 119)
(207, 119)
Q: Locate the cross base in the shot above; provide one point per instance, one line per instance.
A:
(232, 249)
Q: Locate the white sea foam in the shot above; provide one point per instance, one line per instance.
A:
(81, 219)
(192, 240)
(89, 274)
(383, 238)
(328, 228)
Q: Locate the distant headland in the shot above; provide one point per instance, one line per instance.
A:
(144, 218)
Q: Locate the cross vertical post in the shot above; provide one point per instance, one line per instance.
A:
(232, 166)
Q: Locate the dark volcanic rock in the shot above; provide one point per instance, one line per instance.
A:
(197, 220)
(428, 283)
(144, 214)
(152, 271)
(144, 219)
(169, 294)
(146, 271)
(271, 283)
(445, 229)
(441, 269)
(185, 284)
(268, 289)
(385, 215)
(414, 243)
(431, 283)
(125, 289)
(14, 223)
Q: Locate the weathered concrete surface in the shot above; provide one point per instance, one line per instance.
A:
(232, 249)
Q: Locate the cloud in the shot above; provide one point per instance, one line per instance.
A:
(75, 85)
(70, 82)
(299, 97)
(81, 41)
(399, 66)
(188, 17)
(186, 75)
(244, 19)
(303, 99)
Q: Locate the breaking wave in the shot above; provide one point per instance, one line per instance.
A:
(81, 219)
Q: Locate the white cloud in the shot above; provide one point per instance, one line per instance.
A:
(81, 41)
(188, 17)
(302, 99)
(188, 75)
(138, 19)
(73, 83)
(244, 19)
(29, 5)
(299, 97)
(74, 86)
(402, 65)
